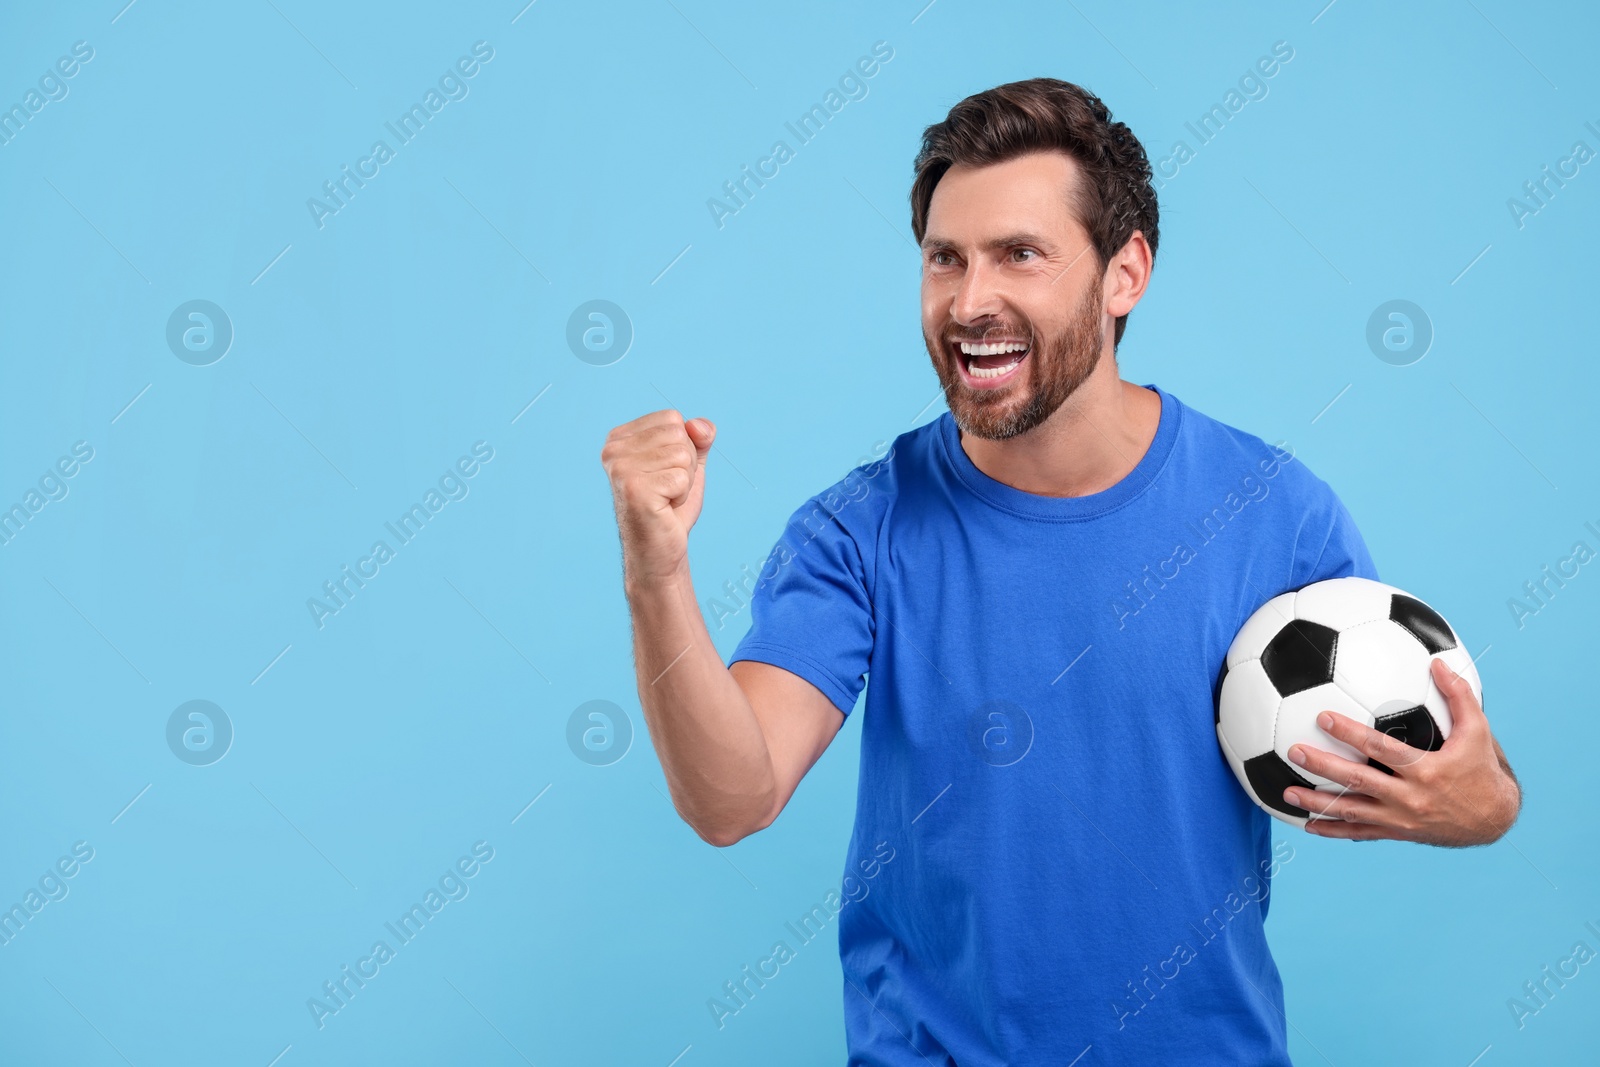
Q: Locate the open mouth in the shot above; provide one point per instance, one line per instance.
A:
(990, 363)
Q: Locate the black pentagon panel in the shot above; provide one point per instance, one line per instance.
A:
(1415, 727)
(1269, 776)
(1422, 622)
(1216, 696)
(1300, 656)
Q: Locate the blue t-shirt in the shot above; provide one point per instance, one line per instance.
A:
(1059, 856)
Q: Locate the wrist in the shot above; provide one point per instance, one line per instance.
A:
(638, 585)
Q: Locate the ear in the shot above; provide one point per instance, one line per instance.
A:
(1128, 275)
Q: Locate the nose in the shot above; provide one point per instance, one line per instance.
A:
(976, 297)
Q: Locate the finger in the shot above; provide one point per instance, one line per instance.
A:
(625, 442)
(673, 485)
(644, 423)
(1349, 831)
(1336, 807)
(669, 454)
(1374, 744)
(1355, 777)
(662, 433)
(1466, 712)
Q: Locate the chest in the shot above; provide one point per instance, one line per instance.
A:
(990, 635)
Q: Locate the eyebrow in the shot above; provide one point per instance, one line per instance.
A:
(1010, 240)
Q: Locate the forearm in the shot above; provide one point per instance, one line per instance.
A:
(705, 732)
(1516, 785)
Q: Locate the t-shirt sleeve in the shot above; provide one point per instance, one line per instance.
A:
(1330, 546)
(810, 612)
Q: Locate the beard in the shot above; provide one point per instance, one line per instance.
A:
(1056, 365)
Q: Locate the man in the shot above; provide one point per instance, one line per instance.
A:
(1042, 584)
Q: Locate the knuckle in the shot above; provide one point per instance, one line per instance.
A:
(1421, 770)
(635, 493)
(668, 434)
(1380, 747)
(623, 457)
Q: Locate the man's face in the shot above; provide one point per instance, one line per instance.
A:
(1012, 309)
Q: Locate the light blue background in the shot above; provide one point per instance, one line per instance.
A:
(429, 311)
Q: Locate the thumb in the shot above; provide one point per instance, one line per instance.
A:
(702, 432)
(1465, 708)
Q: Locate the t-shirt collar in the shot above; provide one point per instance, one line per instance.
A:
(1064, 508)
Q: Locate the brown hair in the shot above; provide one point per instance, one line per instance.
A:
(1115, 196)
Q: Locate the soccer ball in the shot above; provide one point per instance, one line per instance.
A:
(1350, 645)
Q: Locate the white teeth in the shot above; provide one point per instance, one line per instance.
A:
(992, 350)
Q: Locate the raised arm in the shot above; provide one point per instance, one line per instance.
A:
(733, 742)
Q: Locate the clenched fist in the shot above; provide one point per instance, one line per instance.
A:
(657, 467)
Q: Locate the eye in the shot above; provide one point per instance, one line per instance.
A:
(1018, 254)
(942, 259)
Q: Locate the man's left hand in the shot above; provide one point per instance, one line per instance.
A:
(1462, 794)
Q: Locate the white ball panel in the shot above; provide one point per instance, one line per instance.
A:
(1342, 603)
(1262, 626)
(1380, 665)
(1297, 724)
(1248, 708)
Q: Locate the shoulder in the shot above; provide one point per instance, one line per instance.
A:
(840, 528)
(1317, 529)
(1239, 454)
(865, 494)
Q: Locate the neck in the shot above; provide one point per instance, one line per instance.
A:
(1089, 444)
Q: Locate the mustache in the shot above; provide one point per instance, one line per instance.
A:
(956, 334)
